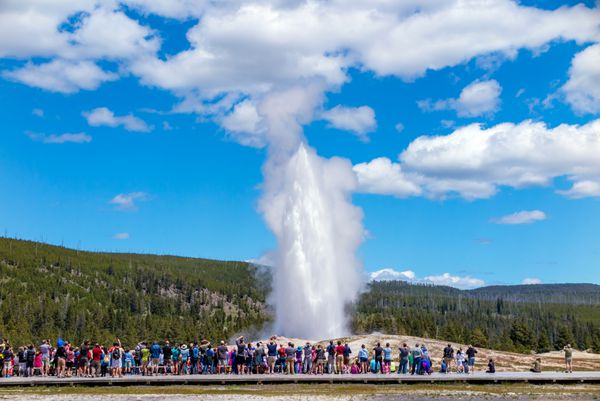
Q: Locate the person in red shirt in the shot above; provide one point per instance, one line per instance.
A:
(339, 357)
(96, 358)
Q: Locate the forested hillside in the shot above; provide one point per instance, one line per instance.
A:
(511, 318)
(50, 291)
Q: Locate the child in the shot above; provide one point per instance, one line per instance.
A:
(491, 367)
(355, 368)
(37, 363)
(444, 367)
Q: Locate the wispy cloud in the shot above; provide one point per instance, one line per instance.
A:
(121, 236)
(128, 201)
(522, 217)
(462, 282)
(531, 280)
(104, 116)
(79, 137)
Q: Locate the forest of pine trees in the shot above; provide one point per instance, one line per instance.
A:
(520, 324)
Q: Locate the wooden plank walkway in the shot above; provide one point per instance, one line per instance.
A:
(477, 378)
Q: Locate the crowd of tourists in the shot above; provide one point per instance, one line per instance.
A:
(64, 359)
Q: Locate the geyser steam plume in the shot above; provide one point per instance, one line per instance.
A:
(307, 206)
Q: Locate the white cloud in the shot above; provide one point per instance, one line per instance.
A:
(37, 112)
(103, 116)
(462, 282)
(359, 120)
(399, 127)
(391, 274)
(79, 137)
(476, 99)
(582, 90)
(474, 162)
(522, 217)
(582, 189)
(381, 176)
(121, 236)
(531, 281)
(61, 76)
(128, 201)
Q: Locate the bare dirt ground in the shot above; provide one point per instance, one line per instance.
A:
(505, 361)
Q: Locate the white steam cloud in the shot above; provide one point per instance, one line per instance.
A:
(306, 204)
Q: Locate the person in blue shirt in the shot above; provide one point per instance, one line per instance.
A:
(155, 352)
(387, 358)
(175, 356)
(127, 361)
(363, 358)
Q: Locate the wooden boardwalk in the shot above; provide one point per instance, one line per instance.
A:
(477, 378)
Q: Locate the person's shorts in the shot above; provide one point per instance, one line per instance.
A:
(6, 364)
(83, 362)
(569, 360)
(222, 362)
(69, 365)
(29, 365)
(271, 360)
(290, 359)
(45, 361)
(364, 360)
(339, 358)
(346, 360)
(60, 362)
(115, 363)
(127, 364)
(471, 362)
(168, 362)
(320, 362)
(155, 361)
(240, 360)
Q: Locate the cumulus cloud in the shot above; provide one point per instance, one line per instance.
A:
(104, 116)
(477, 99)
(474, 162)
(381, 176)
(127, 202)
(531, 281)
(79, 137)
(121, 236)
(582, 90)
(522, 217)
(61, 75)
(359, 120)
(462, 282)
(391, 274)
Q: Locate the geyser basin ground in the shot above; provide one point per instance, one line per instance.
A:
(299, 392)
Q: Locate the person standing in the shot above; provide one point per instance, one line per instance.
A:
(96, 360)
(167, 357)
(116, 359)
(29, 360)
(448, 356)
(404, 351)
(568, 358)
(347, 352)
(363, 358)
(339, 358)
(378, 353)
(45, 352)
(387, 358)
(471, 352)
(307, 366)
(290, 356)
(271, 355)
(416, 360)
(240, 355)
(331, 358)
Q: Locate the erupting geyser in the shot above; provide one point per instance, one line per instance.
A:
(307, 206)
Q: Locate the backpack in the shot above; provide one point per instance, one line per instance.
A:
(116, 354)
(195, 352)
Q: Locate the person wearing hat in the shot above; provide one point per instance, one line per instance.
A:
(184, 356)
(222, 353)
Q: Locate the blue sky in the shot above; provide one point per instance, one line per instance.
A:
(161, 158)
